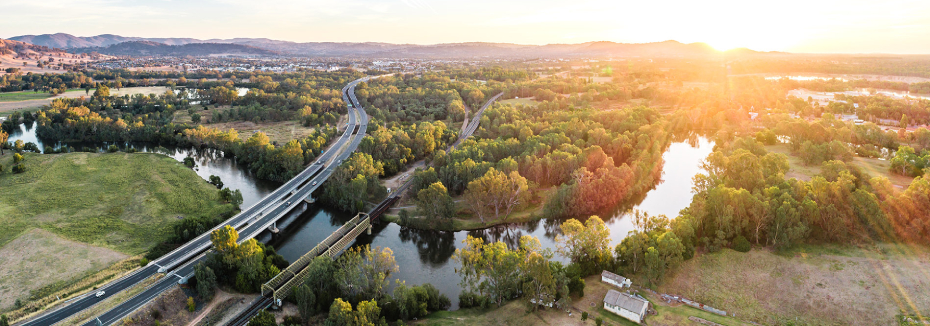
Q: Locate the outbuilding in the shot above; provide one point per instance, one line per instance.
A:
(616, 280)
(625, 305)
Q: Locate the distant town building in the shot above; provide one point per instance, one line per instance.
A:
(626, 306)
(616, 280)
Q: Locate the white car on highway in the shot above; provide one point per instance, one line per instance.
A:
(100, 293)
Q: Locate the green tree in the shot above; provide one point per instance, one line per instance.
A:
(264, 318)
(496, 193)
(340, 314)
(435, 202)
(363, 273)
(4, 321)
(195, 117)
(585, 244)
(102, 92)
(3, 138)
(206, 281)
(306, 301)
(491, 269)
(540, 287)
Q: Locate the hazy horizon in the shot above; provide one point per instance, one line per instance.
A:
(856, 26)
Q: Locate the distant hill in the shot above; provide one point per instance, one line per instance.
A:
(388, 50)
(149, 48)
(17, 47)
(25, 58)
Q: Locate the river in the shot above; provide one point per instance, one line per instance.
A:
(426, 256)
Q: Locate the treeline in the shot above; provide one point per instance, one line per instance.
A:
(44, 82)
(896, 66)
(71, 120)
(906, 111)
(428, 97)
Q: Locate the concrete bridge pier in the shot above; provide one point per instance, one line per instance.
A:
(274, 227)
(369, 230)
(310, 199)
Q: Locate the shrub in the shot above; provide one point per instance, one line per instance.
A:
(113, 149)
(584, 315)
(598, 321)
(143, 262)
(470, 299)
(156, 314)
(17, 157)
(741, 244)
(190, 304)
(19, 168)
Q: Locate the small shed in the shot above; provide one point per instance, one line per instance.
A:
(616, 280)
(626, 306)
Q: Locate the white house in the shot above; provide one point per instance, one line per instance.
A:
(625, 305)
(614, 279)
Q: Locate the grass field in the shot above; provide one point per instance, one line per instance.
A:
(119, 201)
(812, 285)
(873, 166)
(81, 212)
(22, 96)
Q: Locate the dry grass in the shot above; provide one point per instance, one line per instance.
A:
(872, 166)
(61, 291)
(812, 285)
(281, 131)
(38, 258)
(171, 306)
(10, 61)
(529, 101)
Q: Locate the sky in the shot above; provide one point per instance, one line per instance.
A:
(812, 26)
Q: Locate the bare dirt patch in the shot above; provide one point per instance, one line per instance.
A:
(37, 258)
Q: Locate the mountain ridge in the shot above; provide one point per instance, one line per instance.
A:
(668, 48)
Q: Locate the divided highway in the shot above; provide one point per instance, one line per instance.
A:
(250, 222)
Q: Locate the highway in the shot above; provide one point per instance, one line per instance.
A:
(473, 124)
(249, 222)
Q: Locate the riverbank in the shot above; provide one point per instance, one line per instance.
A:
(70, 217)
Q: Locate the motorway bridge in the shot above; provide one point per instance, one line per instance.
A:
(278, 288)
(178, 265)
